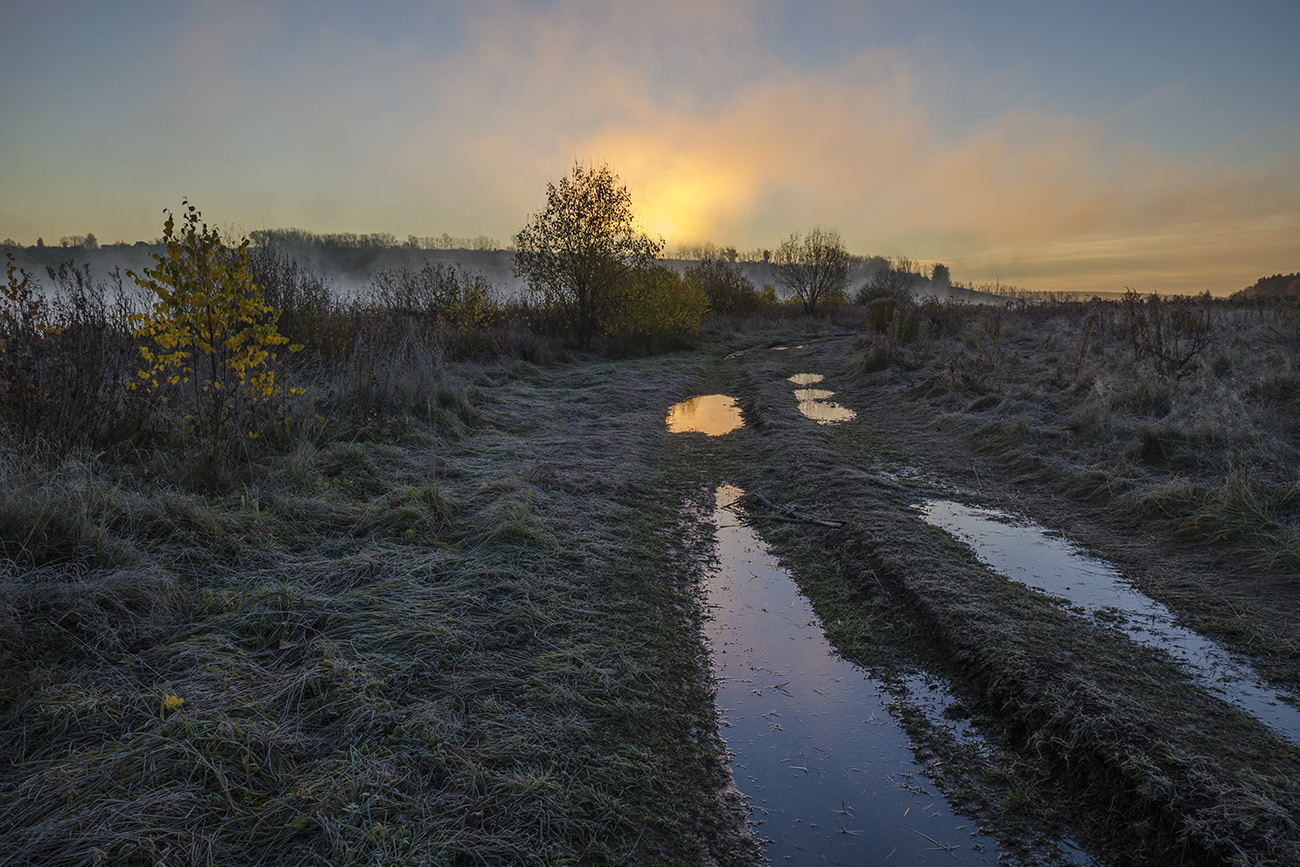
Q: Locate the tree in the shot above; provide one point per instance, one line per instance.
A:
(813, 267)
(940, 275)
(579, 250)
(209, 338)
(727, 287)
(891, 278)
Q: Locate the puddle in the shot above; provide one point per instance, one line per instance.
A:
(814, 403)
(802, 394)
(1024, 552)
(931, 696)
(825, 412)
(710, 414)
(828, 772)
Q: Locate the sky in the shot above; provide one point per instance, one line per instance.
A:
(1058, 146)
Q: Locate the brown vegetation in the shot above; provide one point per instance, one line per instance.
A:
(1109, 740)
(438, 606)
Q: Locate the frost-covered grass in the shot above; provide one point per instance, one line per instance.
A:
(453, 636)
(1209, 448)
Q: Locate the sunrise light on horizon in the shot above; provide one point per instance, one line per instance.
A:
(1057, 147)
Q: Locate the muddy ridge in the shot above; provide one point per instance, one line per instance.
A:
(1164, 771)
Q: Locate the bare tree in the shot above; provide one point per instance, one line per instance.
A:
(578, 251)
(813, 267)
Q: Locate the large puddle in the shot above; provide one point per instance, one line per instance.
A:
(710, 414)
(830, 775)
(815, 403)
(1025, 553)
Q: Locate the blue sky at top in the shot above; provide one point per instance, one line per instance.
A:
(1061, 145)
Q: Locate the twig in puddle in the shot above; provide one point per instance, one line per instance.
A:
(946, 847)
(788, 513)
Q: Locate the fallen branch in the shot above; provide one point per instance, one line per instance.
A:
(787, 514)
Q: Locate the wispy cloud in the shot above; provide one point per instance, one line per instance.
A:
(721, 132)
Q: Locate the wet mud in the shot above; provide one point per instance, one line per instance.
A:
(830, 775)
(1109, 715)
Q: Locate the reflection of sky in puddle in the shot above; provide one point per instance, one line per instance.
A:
(711, 414)
(830, 776)
(930, 695)
(813, 402)
(826, 412)
(802, 394)
(1025, 553)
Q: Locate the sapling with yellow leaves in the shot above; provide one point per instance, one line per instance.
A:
(209, 339)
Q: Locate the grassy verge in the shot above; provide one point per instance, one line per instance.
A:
(439, 642)
(1186, 477)
(1195, 432)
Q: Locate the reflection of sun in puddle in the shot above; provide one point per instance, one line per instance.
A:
(709, 414)
(813, 402)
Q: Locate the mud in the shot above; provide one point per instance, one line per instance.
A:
(1026, 553)
(1135, 758)
(830, 776)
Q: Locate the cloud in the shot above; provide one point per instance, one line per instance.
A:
(724, 131)
(861, 145)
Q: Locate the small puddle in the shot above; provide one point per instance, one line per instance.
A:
(830, 775)
(814, 403)
(1024, 552)
(709, 414)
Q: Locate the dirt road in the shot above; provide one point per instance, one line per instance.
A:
(1109, 738)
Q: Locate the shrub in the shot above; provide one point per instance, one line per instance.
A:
(727, 288)
(880, 314)
(439, 293)
(1170, 333)
(310, 314)
(25, 326)
(658, 305)
(66, 359)
(210, 340)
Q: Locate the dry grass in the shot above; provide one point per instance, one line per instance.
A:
(457, 637)
(1207, 446)
(1111, 738)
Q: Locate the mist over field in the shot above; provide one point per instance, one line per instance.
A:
(1080, 150)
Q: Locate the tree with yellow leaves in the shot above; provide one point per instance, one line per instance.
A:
(209, 338)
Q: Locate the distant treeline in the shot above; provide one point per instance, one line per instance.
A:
(294, 237)
(1277, 286)
(373, 240)
(349, 258)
